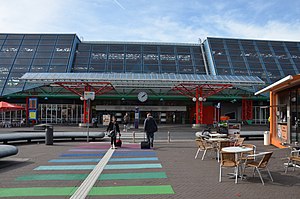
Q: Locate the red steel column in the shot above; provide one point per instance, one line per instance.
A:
(27, 111)
(86, 108)
(199, 105)
(247, 109)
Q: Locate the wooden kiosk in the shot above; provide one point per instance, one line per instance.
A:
(284, 110)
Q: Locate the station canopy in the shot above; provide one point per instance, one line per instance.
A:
(131, 83)
(141, 80)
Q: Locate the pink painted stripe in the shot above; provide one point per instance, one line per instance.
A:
(107, 146)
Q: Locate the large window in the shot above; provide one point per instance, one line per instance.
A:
(21, 53)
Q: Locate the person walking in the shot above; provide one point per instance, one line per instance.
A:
(113, 129)
(126, 119)
(150, 127)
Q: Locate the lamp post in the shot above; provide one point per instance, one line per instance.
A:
(88, 96)
(199, 107)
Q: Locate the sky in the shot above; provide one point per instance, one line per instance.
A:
(178, 21)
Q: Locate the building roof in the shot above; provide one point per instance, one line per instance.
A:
(287, 82)
(141, 79)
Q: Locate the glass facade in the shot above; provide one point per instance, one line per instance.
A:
(21, 53)
(60, 113)
(60, 53)
(139, 58)
(269, 60)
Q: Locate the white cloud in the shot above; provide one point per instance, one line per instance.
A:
(29, 16)
(271, 30)
(162, 21)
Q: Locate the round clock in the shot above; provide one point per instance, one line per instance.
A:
(143, 96)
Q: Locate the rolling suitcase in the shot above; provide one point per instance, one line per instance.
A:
(145, 144)
(118, 142)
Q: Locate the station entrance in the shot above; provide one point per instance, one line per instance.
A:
(169, 97)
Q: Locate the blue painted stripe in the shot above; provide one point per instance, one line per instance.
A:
(89, 150)
(82, 155)
(65, 167)
(75, 160)
(132, 159)
(132, 166)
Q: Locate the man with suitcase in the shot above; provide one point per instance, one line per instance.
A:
(150, 127)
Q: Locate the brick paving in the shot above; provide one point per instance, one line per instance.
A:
(189, 177)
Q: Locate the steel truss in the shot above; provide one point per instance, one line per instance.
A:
(199, 93)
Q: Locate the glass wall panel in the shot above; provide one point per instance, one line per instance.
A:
(100, 67)
(168, 69)
(151, 68)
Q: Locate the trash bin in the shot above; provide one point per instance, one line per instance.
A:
(49, 135)
(266, 138)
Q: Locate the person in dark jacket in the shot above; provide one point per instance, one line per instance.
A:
(150, 127)
(113, 129)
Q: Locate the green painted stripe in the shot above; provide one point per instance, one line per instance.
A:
(132, 176)
(131, 190)
(132, 166)
(65, 167)
(52, 177)
(37, 191)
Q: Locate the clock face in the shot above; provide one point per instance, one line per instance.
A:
(143, 96)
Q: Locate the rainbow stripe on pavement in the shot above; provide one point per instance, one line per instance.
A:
(84, 154)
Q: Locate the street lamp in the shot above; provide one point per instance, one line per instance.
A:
(88, 96)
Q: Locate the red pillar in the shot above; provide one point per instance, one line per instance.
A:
(86, 108)
(199, 106)
(247, 109)
(27, 110)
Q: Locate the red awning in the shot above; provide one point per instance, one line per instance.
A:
(5, 106)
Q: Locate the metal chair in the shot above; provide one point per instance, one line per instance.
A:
(221, 145)
(260, 162)
(245, 155)
(293, 159)
(239, 142)
(204, 146)
(229, 160)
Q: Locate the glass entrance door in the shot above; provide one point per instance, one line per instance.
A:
(295, 115)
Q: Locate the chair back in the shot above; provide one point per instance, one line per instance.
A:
(265, 159)
(200, 144)
(223, 144)
(252, 146)
(228, 159)
(239, 141)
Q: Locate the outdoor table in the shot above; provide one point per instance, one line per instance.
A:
(218, 139)
(237, 150)
(218, 135)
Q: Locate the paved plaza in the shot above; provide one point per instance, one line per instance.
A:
(167, 171)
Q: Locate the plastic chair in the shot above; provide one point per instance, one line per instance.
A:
(261, 161)
(293, 159)
(203, 145)
(229, 160)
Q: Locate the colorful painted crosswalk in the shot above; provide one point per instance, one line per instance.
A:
(128, 163)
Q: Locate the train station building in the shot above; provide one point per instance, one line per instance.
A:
(180, 83)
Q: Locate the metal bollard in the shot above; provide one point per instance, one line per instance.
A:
(49, 135)
(169, 137)
(133, 137)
